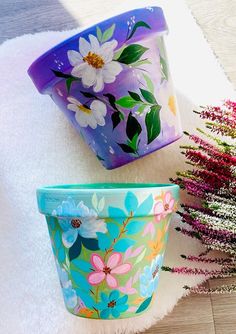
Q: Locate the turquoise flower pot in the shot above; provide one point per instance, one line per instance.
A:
(108, 241)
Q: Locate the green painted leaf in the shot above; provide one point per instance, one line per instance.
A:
(131, 202)
(115, 117)
(127, 102)
(141, 108)
(134, 227)
(82, 265)
(87, 94)
(134, 96)
(99, 34)
(86, 298)
(100, 158)
(164, 68)
(122, 117)
(101, 204)
(75, 249)
(62, 75)
(141, 62)
(95, 201)
(123, 244)
(113, 230)
(108, 33)
(133, 142)
(116, 212)
(112, 100)
(144, 305)
(104, 242)
(126, 148)
(133, 127)
(145, 207)
(61, 254)
(79, 280)
(148, 96)
(138, 25)
(90, 243)
(153, 123)
(131, 54)
(118, 52)
(69, 82)
(149, 83)
(141, 256)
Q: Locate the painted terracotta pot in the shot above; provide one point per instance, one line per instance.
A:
(113, 83)
(108, 241)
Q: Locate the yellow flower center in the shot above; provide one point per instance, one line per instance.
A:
(84, 109)
(172, 104)
(94, 60)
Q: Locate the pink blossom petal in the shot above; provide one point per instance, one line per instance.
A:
(122, 269)
(128, 253)
(111, 281)
(114, 260)
(137, 251)
(158, 218)
(96, 277)
(122, 289)
(131, 291)
(129, 283)
(159, 208)
(171, 204)
(136, 276)
(97, 262)
(167, 197)
(149, 228)
(132, 309)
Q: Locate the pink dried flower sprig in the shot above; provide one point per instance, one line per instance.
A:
(213, 182)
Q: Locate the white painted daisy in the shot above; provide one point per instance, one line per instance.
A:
(88, 116)
(94, 63)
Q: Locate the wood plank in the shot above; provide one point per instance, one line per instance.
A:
(224, 308)
(192, 315)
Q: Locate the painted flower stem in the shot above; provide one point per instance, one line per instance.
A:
(122, 231)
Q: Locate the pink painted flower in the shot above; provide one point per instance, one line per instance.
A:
(164, 207)
(106, 271)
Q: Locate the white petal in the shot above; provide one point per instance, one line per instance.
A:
(78, 71)
(113, 68)
(74, 57)
(107, 50)
(92, 121)
(72, 107)
(94, 43)
(98, 107)
(99, 83)
(73, 100)
(89, 76)
(84, 47)
(90, 226)
(81, 119)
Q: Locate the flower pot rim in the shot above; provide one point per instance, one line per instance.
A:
(41, 70)
(49, 197)
(86, 188)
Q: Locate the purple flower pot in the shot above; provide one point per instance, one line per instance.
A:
(113, 83)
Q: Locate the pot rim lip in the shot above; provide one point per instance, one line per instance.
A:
(36, 66)
(110, 188)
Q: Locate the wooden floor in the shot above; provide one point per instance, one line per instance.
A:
(194, 314)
